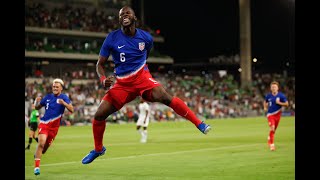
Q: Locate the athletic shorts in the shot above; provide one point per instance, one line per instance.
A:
(274, 119)
(50, 129)
(33, 126)
(140, 121)
(127, 89)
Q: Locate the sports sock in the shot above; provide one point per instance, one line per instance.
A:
(30, 140)
(141, 132)
(98, 128)
(36, 162)
(36, 139)
(271, 137)
(183, 110)
(145, 134)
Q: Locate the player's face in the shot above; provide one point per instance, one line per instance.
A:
(126, 17)
(56, 88)
(274, 88)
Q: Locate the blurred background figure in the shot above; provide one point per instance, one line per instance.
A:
(144, 119)
(55, 104)
(33, 122)
(274, 101)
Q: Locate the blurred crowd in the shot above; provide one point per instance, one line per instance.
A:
(71, 16)
(77, 17)
(211, 97)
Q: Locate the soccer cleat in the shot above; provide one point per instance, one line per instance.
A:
(204, 128)
(272, 147)
(93, 155)
(36, 171)
(27, 148)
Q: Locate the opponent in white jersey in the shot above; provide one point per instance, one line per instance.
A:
(143, 121)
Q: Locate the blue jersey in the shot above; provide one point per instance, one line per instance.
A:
(274, 108)
(53, 109)
(129, 54)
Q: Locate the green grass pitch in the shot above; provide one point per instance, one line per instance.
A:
(236, 149)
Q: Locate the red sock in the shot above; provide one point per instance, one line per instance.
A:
(183, 110)
(98, 128)
(271, 137)
(36, 163)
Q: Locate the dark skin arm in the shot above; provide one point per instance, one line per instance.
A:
(101, 72)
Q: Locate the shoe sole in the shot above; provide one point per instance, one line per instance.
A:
(207, 130)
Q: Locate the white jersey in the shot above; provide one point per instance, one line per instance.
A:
(144, 114)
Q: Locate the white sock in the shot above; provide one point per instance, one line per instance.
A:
(140, 131)
(145, 134)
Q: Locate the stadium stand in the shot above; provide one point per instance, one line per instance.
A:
(62, 40)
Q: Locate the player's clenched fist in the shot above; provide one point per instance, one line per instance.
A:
(106, 81)
(38, 99)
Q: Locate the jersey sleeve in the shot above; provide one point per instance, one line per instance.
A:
(66, 99)
(106, 47)
(283, 98)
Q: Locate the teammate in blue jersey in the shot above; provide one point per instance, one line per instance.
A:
(129, 47)
(272, 106)
(54, 104)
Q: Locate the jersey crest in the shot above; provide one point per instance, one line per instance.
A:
(141, 46)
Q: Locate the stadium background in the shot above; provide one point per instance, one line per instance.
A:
(196, 56)
(62, 39)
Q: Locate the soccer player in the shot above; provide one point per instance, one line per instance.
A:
(143, 120)
(34, 120)
(55, 104)
(130, 47)
(272, 105)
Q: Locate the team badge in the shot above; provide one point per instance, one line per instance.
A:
(141, 46)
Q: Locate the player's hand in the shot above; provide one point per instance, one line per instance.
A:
(38, 99)
(60, 101)
(107, 82)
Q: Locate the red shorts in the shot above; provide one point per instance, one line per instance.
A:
(274, 119)
(128, 88)
(50, 129)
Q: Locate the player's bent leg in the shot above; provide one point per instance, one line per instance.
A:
(183, 110)
(159, 94)
(93, 155)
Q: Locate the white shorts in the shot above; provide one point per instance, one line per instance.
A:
(140, 122)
